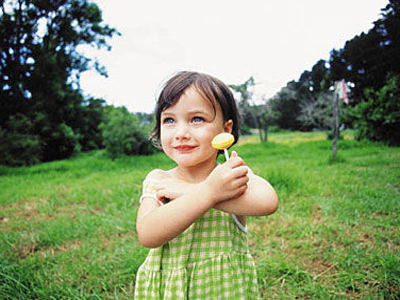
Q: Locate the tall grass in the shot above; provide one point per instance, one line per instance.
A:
(67, 228)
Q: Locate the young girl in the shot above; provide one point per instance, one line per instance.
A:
(193, 216)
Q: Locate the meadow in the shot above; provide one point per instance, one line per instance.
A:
(67, 228)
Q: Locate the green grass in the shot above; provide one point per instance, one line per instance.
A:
(67, 228)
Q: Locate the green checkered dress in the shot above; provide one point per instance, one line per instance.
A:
(210, 260)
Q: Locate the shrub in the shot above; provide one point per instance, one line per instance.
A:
(59, 142)
(379, 115)
(18, 146)
(245, 130)
(122, 133)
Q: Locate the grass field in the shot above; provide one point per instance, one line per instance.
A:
(67, 228)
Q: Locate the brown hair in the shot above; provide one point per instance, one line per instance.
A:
(209, 87)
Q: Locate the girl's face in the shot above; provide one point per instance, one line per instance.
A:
(188, 127)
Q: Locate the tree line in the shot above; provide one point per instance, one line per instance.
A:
(369, 63)
(44, 115)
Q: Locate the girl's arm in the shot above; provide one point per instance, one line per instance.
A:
(158, 224)
(260, 198)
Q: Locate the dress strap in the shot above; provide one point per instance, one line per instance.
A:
(149, 191)
(240, 225)
(151, 196)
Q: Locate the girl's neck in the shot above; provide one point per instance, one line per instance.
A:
(194, 174)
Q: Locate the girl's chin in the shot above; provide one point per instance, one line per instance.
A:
(191, 162)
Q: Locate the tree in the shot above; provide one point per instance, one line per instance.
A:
(320, 80)
(123, 133)
(254, 116)
(245, 95)
(317, 114)
(369, 58)
(86, 123)
(379, 115)
(266, 117)
(18, 146)
(305, 104)
(371, 62)
(360, 62)
(367, 61)
(286, 104)
(388, 28)
(40, 66)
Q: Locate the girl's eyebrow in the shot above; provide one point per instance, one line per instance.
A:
(190, 112)
(197, 111)
(167, 113)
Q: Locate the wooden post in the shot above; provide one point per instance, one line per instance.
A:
(335, 123)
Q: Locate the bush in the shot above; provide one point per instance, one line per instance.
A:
(379, 115)
(122, 134)
(330, 136)
(317, 113)
(59, 142)
(87, 122)
(18, 149)
(18, 146)
(245, 130)
(274, 129)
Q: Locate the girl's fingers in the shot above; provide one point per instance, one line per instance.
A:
(241, 181)
(240, 191)
(240, 171)
(235, 161)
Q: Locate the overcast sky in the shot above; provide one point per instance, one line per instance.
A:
(273, 41)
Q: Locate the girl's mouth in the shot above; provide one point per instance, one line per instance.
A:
(184, 148)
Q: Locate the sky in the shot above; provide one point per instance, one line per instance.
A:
(273, 41)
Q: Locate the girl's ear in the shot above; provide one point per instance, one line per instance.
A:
(228, 126)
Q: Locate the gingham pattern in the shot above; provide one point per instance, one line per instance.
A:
(210, 260)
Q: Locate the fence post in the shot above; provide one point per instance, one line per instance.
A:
(335, 124)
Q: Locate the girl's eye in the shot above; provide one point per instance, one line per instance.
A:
(168, 121)
(197, 120)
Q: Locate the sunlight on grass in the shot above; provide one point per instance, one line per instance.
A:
(67, 228)
(287, 137)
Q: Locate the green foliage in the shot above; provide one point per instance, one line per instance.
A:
(330, 135)
(274, 129)
(18, 145)
(123, 134)
(366, 59)
(317, 114)
(40, 67)
(364, 62)
(244, 130)
(86, 124)
(18, 149)
(286, 107)
(252, 116)
(245, 97)
(379, 114)
(309, 104)
(61, 142)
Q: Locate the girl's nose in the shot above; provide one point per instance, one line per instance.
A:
(182, 133)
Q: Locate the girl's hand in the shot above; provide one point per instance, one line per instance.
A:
(228, 180)
(170, 189)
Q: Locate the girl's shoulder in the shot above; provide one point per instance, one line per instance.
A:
(151, 182)
(158, 175)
